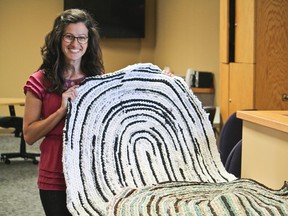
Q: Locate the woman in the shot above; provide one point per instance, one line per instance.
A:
(71, 52)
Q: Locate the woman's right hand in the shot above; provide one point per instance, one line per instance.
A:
(69, 95)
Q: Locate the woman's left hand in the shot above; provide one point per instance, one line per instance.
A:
(168, 73)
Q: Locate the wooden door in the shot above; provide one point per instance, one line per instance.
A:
(271, 78)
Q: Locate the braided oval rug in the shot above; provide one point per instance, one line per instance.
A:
(138, 142)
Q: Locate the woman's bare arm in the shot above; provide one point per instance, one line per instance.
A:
(35, 128)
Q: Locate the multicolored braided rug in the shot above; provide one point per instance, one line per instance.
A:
(138, 142)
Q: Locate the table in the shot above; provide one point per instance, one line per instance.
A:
(265, 147)
(11, 102)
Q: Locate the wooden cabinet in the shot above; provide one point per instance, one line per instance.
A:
(237, 30)
(237, 56)
(241, 92)
(253, 55)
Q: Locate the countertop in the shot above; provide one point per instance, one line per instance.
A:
(270, 118)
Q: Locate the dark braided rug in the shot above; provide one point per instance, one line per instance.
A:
(138, 142)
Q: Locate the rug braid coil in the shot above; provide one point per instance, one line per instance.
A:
(138, 142)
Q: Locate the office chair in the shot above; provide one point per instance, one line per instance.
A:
(16, 123)
(230, 145)
(233, 162)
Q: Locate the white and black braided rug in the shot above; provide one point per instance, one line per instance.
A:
(138, 142)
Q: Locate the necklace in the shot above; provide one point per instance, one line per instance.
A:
(68, 83)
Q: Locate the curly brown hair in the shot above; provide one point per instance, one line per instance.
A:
(53, 59)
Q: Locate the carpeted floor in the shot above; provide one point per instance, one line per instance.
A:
(18, 181)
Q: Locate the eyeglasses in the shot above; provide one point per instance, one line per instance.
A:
(69, 38)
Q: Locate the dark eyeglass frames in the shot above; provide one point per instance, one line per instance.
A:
(69, 38)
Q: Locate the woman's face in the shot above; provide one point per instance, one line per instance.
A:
(74, 42)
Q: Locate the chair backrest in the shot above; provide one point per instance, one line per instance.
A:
(230, 135)
(12, 122)
(233, 162)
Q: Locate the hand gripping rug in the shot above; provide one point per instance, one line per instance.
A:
(138, 142)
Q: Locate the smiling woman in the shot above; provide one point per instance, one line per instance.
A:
(72, 49)
(70, 54)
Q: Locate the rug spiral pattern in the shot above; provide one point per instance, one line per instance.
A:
(135, 128)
